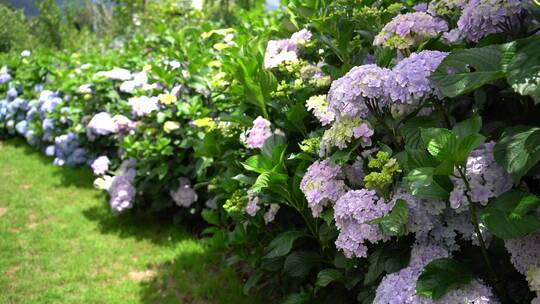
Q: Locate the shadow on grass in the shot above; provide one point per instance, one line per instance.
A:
(137, 225)
(80, 177)
(196, 276)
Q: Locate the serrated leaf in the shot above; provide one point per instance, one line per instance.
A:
(441, 276)
(327, 276)
(282, 244)
(411, 130)
(387, 259)
(464, 71)
(257, 163)
(210, 216)
(272, 143)
(467, 127)
(300, 263)
(441, 143)
(518, 150)
(394, 223)
(422, 183)
(512, 215)
(523, 71)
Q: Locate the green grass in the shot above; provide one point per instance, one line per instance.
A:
(59, 243)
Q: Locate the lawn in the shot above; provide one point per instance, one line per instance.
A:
(59, 243)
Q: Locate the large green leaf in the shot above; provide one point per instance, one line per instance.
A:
(523, 71)
(512, 215)
(394, 223)
(258, 163)
(518, 150)
(300, 263)
(389, 259)
(467, 127)
(282, 244)
(441, 143)
(327, 276)
(464, 71)
(441, 276)
(411, 130)
(422, 183)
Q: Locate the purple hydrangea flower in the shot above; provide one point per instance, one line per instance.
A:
(11, 94)
(100, 165)
(257, 135)
(409, 30)
(67, 150)
(184, 196)
(352, 211)
(318, 105)
(486, 178)
(482, 17)
(400, 287)
(253, 204)
(50, 150)
(525, 251)
(102, 124)
(143, 105)
(300, 37)
(270, 215)
(410, 82)
(122, 191)
(348, 94)
(322, 185)
(279, 51)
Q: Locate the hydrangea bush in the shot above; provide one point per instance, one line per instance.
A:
(345, 151)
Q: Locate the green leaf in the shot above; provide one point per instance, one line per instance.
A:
(464, 71)
(411, 130)
(512, 215)
(441, 143)
(257, 163)
(282, 244)
(267, 82)
(389, 259)
(252, 281)
(422, 183)
(518, 150)
(523, 71)
(467, 127)
(296, 298)
(300, 263)
(441, 276)
(466, 145)
(210, 216)
(273, 142)
(394, 223)
(327, 276)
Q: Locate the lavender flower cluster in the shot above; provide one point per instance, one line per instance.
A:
(285, 50)
(400, 287)
(184, 196)
(409, 30)
(67, 150)
(486, 178)
(322, 185)
(352, 211)
(482, 17)
(403, 88)
(121, 187)
(259, 133)
(348, 94)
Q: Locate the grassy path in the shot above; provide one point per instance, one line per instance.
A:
(60, 244)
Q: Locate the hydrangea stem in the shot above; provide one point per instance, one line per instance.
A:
(474, 221)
